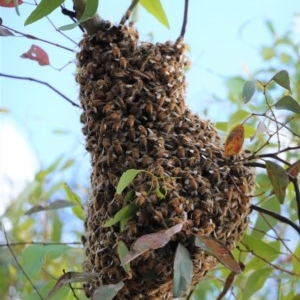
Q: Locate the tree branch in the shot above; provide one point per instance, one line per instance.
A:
(185, 18)
(91, 25)
(276, 216)
(41, 82)
(19, 265)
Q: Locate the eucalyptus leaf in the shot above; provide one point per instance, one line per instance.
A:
(288, 103)
(44, 8)
(282, 78)
(248, 90)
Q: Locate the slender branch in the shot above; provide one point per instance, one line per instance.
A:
(294, 180)
(131, 7)
(276, 216)
(41, 82)
(29, 36)
(269, 263)
(39, 243)
(185, 18)
(19, 265)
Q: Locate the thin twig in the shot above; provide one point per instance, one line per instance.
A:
(19, 265)
(294, 180)
(276, 216)
(185, 18)
(29, 36)
(269, 263)
(39, 243)
(41, 82)
(131, 7)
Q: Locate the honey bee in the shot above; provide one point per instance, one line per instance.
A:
(149, 107)
(141, 198)
(116, 51)
(115, 115)
(123, 62)
(161, 142)
(146, 160)
(135, 153)
(143, 142)
(206, 164)
(117, 146)
(158, 216)
(130, 121)
(108, 108)
(143, 130)
(106, 143)
(192, 185)
(180, 152)
(116, 125)
(131, 134)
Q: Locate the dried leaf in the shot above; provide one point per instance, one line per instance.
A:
(5, 32)
(294, 169)
(71, 277)
(219, 251)
(107, 292)
(234, 141)
(183, 272)
(38, 54)
(9, 3)
(151, 241)
(261, 128)
(227, 285)
(57, 204)
(279, 179)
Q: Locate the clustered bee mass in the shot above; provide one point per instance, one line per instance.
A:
(135, 116)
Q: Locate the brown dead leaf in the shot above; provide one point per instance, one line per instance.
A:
(235, 140)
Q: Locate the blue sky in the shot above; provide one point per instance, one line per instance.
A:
(224, 39)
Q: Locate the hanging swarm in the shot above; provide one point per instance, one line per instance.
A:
(134, 116)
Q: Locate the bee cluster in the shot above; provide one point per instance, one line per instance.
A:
(134, 116)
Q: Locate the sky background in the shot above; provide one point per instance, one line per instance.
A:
(224, 37)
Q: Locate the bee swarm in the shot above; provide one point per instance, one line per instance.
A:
(134, 116)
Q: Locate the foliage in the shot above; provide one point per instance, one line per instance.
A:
(30, 265)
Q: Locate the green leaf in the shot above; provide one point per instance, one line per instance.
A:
(268, 53)
(279, 179)
(126, 178)
(183, 271)
(123, 214)
(44, 8)
(296, 297)
(260, 247)
(270, 26)
(155, 8)
(122, 252)
(78, 209)
(248, 90)
(33, 257)
(16, 3)
(107, 292)
(40, 176)
(282, 78)
(255, 282)
(89, 12)
(288, 103)
(238, 117)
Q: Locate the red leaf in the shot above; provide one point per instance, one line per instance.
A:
(234, 141)
(38, 54)
(294, 169)
(150, 241)
(5, 32)
(218, 250)
(9, 3)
